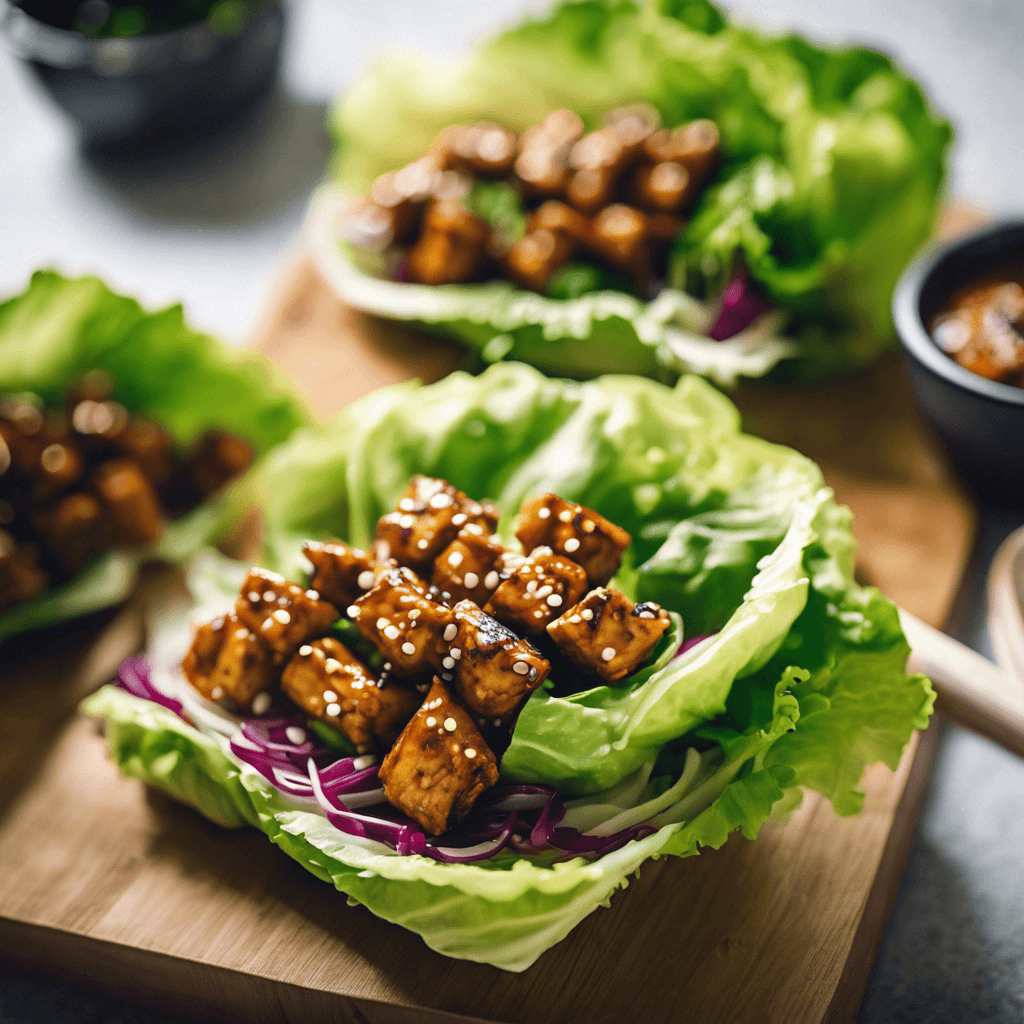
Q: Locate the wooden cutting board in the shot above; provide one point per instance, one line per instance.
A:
(106, 883)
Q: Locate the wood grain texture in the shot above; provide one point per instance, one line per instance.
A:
(103, 881)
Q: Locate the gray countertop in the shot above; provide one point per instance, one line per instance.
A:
(213, 231)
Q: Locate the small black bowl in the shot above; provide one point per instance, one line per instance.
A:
(980, 421)
(151, 91)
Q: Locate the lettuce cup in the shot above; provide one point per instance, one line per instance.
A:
(781, 252)
(772, 671)
(119, 430)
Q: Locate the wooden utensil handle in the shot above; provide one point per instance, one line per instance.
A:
(970, 690)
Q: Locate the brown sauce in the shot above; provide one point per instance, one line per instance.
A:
(981, 326)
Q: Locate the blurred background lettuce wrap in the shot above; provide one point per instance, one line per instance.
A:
(799, 681)
(60, 329)
(833, 164)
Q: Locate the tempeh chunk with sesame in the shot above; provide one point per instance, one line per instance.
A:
(469, 568)
(227, 659)
(583, 535)
(537, 592)
(343, 573)
(495, 669)
(430, 514)
(326, 680)
(409, 628)
(439, 765)
(607, 635)
(282, 613)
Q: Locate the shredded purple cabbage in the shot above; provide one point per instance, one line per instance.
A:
(742, 304)
(524, 818)
(691, 642)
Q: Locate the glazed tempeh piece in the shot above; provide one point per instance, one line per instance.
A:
(537, 592)
(495, 669)
(409, 628)
(607, 635)
(428, 518)
(73, 529)
(342, 573)
(581, 534)
(282, 613)
(439, 765)
(130, 501)
(228, 659)
(329, 682)
(469, 568)
(21, 578)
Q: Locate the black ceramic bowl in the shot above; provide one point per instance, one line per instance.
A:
(155, 89)
(980, 421)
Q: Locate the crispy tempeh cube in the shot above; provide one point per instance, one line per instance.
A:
(469, 568)
(409, 628)
(21, 579)
(494, 669)
(439, 765)
(72, 530)
(537, 591)
(283, 614)
(586, 537)
(329, 682)
(607, 635)
(397, 705)
(129, 499)
(217, 457)
(342, 572)
(430, 514)
(227, 659)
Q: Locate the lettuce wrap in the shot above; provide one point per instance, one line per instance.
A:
(59, 329)
(833, 162)
(792, 675)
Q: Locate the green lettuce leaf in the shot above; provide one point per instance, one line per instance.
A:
(60, 328)
(833, 162)
(801, 682)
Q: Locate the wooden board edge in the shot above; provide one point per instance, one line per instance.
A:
(191, 989)
(845, 1005)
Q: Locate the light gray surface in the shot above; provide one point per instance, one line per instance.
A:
(215, 233)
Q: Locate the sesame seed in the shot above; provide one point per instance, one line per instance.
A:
(431, 722)
(554, 600)
(470, 753)
(365, 761)
(455, 653)
(458, 520)
(269, 595)
(449, 663)
(455, 748)
(450, 632)
(261, 704)
(571, 545)
(357, 684)
(241, 634)
(589, 525)
(497, 722)
(305, 650)
(408, 648)
(455, 559)
(575, 618)
(543, 513)
(381, 622)
(353, 611)
(471, 580)
(333, 665)
(531, 586)
(422, 544)
(391, 632)
(217, 692)
(415, 614)
(647, 615)
(436, 702)
(295, 735)
(475, 528)
(333, 709)
(387, 666)
(446, 676)
(587, 614)
(538, 614)
(565, 515)
(544, 591)
(440, 501)
(406, 505)
(608, 653)
(253, 597)
(365, 579)
(268, 623)
(330, 696)
(491, 580)
(520, 668)
(313, 595)
(407, 522)
(450, 724)
(282, 616)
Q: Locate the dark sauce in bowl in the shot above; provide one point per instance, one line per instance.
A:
(126, 19)
(981, 326)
